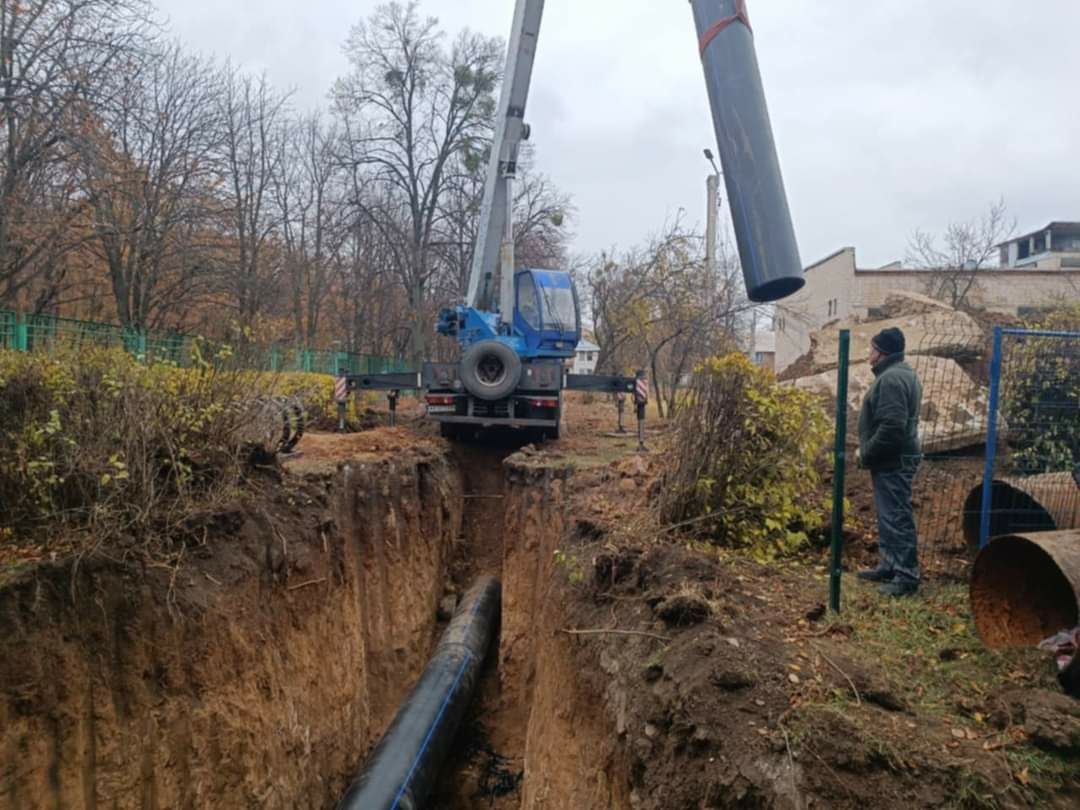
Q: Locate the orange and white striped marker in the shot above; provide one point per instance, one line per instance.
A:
(641, 389)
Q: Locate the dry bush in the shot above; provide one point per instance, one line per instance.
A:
(99, 444)
(745, 467)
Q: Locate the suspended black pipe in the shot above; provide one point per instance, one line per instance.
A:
(755, 188)
(401, 771)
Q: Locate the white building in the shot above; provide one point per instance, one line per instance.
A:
(764, 353)
(837, 289)
(1055, 247)
(588, 353)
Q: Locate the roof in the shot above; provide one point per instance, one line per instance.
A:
(829, 258)
(1057, 227)
(586, 345)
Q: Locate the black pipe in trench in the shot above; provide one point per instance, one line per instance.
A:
(401, 772)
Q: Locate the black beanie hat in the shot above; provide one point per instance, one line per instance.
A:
(889, 341)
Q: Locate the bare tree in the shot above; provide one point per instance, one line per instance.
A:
(660, 306)
(54, 57)
(253, 117)
(147, 172)
(410, 106)
(964, 252)
(542, 217)
(310, 193)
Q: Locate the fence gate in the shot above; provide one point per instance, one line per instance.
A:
(1032, 476)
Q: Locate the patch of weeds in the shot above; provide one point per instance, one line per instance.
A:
(839, 735)
(575, 572)
(971, 792)
(1040, 773)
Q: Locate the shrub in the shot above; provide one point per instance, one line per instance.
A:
(745, 467)
(1041, 396)
(96, 441)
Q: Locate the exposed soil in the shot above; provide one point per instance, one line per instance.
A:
(633, 670)
(255, 670)
(724, 687)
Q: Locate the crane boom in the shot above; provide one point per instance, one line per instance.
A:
(518, 328)
(494, 253)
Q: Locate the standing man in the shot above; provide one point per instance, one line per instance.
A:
(889, 448)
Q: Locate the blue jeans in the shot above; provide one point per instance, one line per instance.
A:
(898, 537)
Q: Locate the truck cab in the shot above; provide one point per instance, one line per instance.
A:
(547, 315)
(511, 371)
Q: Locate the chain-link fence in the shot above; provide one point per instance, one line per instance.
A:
(951, 359)
(1031, 480)
(1000, 435)
(50, 332)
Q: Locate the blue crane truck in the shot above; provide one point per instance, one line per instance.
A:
(518, 328)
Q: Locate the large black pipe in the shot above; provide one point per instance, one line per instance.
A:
(755, 187)
(401, 771)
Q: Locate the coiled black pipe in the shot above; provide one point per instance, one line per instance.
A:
(401, 771)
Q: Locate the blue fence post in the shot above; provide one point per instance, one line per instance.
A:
(991, 438)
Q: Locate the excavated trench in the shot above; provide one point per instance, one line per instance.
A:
(261, 669)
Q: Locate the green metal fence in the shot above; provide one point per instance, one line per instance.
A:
(50, 332)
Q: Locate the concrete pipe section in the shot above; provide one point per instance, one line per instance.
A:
(403, 768)
(1024, 588)
(1037, 503)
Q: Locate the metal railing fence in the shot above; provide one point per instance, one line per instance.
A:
(51, 332)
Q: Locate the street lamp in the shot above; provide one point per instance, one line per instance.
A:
(709, 157)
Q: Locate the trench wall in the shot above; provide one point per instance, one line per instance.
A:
(573, 756)
(258, 675)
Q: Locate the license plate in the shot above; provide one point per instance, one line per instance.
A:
(441, 408)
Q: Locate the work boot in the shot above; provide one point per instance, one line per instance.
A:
(875, 575)
(899, 588)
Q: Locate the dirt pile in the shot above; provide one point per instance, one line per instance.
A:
(256, 673)
(954, 405)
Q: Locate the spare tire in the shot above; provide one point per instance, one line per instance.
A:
(490, 370)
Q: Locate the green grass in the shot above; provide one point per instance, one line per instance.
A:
(929, 647)
(1046, 771)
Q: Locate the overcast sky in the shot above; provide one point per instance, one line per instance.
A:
(889, 115)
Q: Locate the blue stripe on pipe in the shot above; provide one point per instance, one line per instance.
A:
(431, 730)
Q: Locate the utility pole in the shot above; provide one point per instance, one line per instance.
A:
(713, 209)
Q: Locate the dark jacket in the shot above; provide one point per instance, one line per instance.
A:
(889, 422)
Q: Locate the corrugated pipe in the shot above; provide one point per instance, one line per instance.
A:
(1036, 503)
(401, 771)
(1025, 588)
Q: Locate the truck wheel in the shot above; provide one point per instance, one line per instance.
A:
(490, 370)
